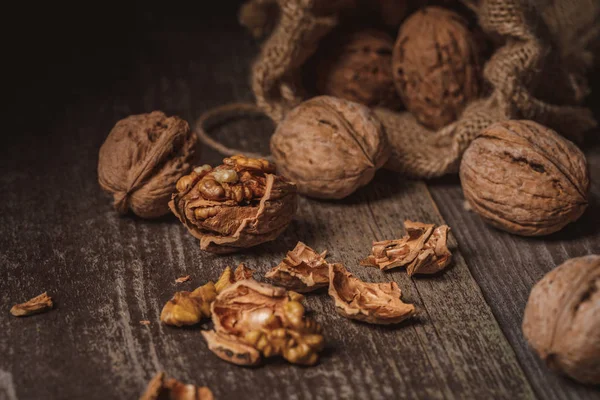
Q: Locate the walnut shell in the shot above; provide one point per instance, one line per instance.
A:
(358, 67)
(239, 204)
(562, 319)
(329, 147)
(142, 159)
(302, 270)
(524, 178)
(436, 66)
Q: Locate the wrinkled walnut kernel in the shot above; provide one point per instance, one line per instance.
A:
(228, 278)
(161, 387)
(189, 308)
(422, 251)
(302, 270)
(38, 304)
(375, 303)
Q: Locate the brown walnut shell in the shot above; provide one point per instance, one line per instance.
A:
(239, 204)
(302, 270)
(376, 303)
(358, 67)
(436, 66)
(562, 319)
(524, 178)
(329, 147)
(142, 159)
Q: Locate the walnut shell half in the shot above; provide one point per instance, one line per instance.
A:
(239, 204)
(376, 303)
(142, 159)
(302, 270)
(562, 319)
(524, 178)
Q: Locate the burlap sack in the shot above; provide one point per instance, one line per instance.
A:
(537, 73)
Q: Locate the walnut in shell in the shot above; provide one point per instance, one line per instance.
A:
(161, 387)
(254, 320)
(376, 303)
(239, 204)
(329, 147)
(562, 319)
(302, 270)
(524, 178)
(423, 250)
(358, 67)
(142, 159)
(436, 66)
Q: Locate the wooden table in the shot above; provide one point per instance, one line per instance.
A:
(58, 233)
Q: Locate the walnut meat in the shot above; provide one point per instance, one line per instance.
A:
(329, 147)
(358, 67)
(302, 270)
(562, 319)
(376, 303)
(436, 66)
(254, 320)
(161, 387)
(142, 159)
(524, 178)
(239, 204)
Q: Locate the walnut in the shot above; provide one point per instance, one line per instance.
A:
(38, 304)
(524, 178)
(228, 278)
(562, 319)
(436, 66)
(239, 204)
(161, 387)
(376, 303)
(329, 147)
(422, 251)
(302, 270)
(358, 67)
(141, 160)
(254, 320)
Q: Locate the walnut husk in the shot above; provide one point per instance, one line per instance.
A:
(423, 250)
(161, 387)
(302, 270)
(562, 319)
(253, 320)
(142, 159)
(375, 303)
(38, 304)
(237, 205)
(524, 178)
(436, 66)
(329, 147)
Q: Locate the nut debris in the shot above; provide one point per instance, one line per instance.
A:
(38, 304)
(144, 322)
(302, 270)
(160, 387)
(182, 279)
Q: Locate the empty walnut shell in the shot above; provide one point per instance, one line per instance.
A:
(239, 204)
(302, 270)
(436, 66)
(329, 147)
(562, 319)
(142, 159)
(358, 67)
(254, 320)
(524, 178)
(376, 303)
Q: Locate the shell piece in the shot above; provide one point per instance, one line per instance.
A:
(423, 250)
(253, 319)
(376, 303)
(524, 178)
(142, 159)
(161, 387)
(436, 66)
(302, 270)
(230, 212)
(38, 304)
(329, 147)
(562, 319)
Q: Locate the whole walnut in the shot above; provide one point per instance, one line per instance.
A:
(142, 159)
(562, 319)
(524, 178)
(436, 66)
(358, 67)
(329, 147)
(239, 204)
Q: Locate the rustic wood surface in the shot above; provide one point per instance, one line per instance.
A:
(58, 233)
